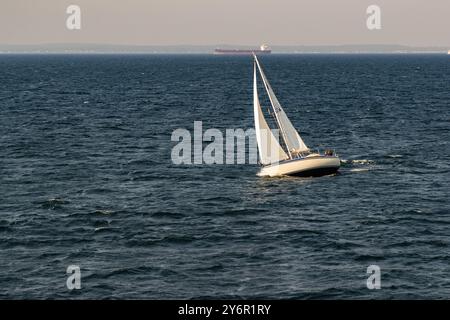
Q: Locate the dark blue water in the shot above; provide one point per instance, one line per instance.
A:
(86, 179)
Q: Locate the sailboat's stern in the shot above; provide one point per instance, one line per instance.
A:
(305, 167)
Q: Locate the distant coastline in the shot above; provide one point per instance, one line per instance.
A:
(209, 49)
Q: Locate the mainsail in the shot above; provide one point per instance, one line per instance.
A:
(269, 149)
(292, 139)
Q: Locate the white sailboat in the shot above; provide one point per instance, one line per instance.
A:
(291, 156)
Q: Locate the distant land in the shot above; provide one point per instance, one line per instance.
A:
(205, 49)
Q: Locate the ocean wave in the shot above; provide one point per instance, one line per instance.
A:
(394, 156)
(53, 203)
(103, 212)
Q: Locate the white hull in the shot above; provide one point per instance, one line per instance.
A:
(306, 167)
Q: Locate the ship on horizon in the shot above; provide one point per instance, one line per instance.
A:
(263, 49)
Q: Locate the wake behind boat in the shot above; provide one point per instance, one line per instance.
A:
(288, 155)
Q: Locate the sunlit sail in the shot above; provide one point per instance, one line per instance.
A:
(292, 139)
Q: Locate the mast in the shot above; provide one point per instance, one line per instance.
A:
(266, 85)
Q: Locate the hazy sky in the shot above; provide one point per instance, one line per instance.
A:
(208, 22)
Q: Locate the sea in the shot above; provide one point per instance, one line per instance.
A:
(93, 207)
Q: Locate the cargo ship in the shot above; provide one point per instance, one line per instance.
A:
(262, 50)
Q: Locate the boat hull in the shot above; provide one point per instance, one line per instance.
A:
(305, 167)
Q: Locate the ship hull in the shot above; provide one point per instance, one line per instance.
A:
(305, 167)
(240, 52)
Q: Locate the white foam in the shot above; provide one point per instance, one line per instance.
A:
(359, 169)
(394, 156)
(363, 161)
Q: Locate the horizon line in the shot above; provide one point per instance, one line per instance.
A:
(222, 44)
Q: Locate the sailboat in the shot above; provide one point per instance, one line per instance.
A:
(288, 155)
